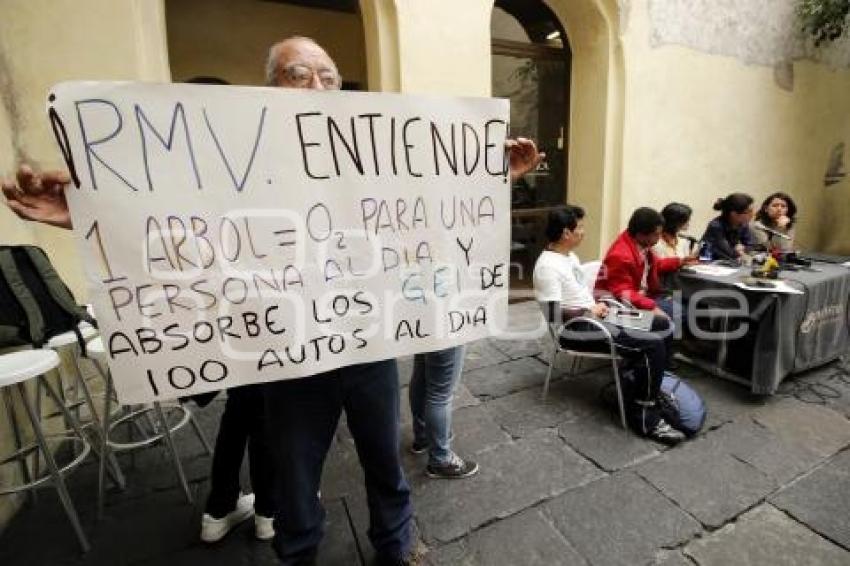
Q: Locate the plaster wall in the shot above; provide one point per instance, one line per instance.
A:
(99, 39)
(444, 46)
(722, 97)
(230, 39)
(756, 32)
(12, 230)
(380, 24)
(595, 116)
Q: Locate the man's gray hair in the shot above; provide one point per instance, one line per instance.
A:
(274, 54)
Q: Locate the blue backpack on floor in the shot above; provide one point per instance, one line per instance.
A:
(681, 405)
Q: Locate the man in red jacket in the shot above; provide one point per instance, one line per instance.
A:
(630, 270)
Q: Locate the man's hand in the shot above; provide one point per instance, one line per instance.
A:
(599, 310)
(524, 156)
(658, 312)
(39, 196)
(740, 250)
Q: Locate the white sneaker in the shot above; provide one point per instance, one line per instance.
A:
(263, 527)
(213, 530)
(666, 434)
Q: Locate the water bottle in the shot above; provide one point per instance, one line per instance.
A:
(705, 251)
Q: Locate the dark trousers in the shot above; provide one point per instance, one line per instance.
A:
(648, 353)
(243, 422)
(303, 416)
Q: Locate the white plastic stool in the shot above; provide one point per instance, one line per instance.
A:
(15, 370)
(67, 346)
(163, 431)
(86, 330)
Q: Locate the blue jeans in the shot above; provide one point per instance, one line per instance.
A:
(302, 415)
(674, 310)
(435, 375)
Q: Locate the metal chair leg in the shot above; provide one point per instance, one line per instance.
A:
(70, 419)
(75, 387)
(169, 441)
(549, 373)
(38, 411)
(74, 423)
(200, 433)
(107, 411)
(617, 382)
(616, 369)
(39, 387)
(58, 480)
(60, 384)
(104, 453)
(110, 386)
(82, 385)
(151, 423)
(19, 442)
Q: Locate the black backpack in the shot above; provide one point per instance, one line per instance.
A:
(35, 304)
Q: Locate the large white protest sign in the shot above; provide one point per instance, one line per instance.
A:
(239, 235)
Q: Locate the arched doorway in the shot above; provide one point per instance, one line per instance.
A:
(531, 60)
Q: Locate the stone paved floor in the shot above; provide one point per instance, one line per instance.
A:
(767, 482)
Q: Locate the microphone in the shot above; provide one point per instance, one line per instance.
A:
(771, 231)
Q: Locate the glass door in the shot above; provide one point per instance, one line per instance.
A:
(530, 66)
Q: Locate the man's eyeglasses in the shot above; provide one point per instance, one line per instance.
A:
(301, 75)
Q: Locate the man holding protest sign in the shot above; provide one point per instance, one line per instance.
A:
(303, 413)
(368, 392)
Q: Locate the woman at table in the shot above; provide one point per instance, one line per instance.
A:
(729, 234)
(776, 214)
(677, 218)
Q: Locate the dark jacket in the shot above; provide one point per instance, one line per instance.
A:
(723, 238)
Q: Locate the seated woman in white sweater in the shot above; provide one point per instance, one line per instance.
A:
(677, 218)
(777, 214)
(560, 288)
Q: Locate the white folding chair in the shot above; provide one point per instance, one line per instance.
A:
(611, 356)
(590, 270)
